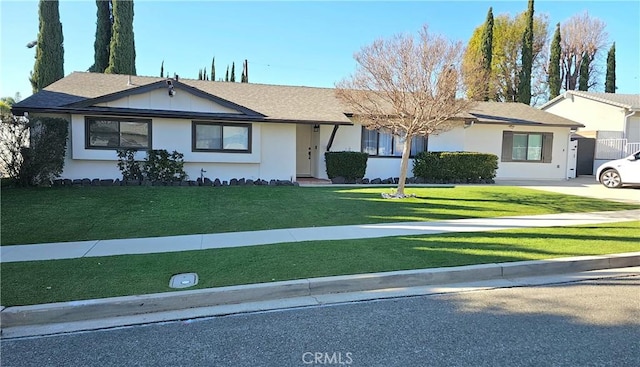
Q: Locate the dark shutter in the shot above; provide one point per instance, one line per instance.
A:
(547, 147)
(507, 146)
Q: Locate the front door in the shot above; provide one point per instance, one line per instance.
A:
(303, 150)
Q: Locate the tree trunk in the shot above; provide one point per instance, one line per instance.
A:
(406, 151)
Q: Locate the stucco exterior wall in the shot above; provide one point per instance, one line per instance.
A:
(594, 115)
(488, 139)
(633, 128)
(269, 144)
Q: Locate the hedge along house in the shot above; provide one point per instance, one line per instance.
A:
(240, 130)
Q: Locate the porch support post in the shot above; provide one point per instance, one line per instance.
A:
(333, 136)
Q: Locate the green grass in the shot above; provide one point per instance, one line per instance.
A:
(92, 213)
(38, 282)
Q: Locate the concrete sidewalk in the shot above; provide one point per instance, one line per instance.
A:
(69, 250)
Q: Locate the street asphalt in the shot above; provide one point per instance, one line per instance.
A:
(588, 323)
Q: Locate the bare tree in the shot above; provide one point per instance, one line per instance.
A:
(581, 35)
(408, 86)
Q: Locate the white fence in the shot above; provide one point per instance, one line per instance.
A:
(614, 148)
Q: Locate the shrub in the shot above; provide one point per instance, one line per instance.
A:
(350, 165)
(165, 167)
(455, 166)
(128, 164)
(43, 160)
(159, 165)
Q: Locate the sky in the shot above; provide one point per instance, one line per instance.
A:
(308, 43)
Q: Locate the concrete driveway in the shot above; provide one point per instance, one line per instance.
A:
(581, 186)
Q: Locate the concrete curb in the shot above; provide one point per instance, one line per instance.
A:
(76, 311)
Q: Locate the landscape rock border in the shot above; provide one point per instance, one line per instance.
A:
(409, 180)
(86, 182)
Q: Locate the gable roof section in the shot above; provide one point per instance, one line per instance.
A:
(77, 92)
(628, 101)
(504, 113)
(162, 84)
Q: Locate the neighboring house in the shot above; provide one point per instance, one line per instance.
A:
(241, 130)
(611, 124)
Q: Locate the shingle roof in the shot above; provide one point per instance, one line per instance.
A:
(275, 102)
(517, 114)
(628, 101)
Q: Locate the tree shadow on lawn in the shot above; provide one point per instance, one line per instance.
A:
(548, 202)
(97, 277)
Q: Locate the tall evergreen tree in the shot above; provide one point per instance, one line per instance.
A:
(199, 74)
(245, 72)
(226, 75)
(232, 77)
(610, 82)
(122, 59)
(487, 49)
(524, 87)
(49, 65)
(583, 80)
(101, 46)
(555, 81)
(213, 69)
(162, 69)
(204, 74)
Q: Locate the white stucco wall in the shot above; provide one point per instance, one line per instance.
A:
(488, 139)
(272, 153)
(482, 138)
(449, 141)
(633, 128)
(594, 115)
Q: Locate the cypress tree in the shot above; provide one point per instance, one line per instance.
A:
(554, 65)
(213, 69)
(232, 77)
(487, 49)
(524, 87)
(610, 82)
(122, 59)
(204, 74)
(226, 75)
(199, 74)
(101, 45)
(583, 80)
(49, 65)
(162, 69)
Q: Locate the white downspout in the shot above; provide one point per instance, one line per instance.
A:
(624, 129)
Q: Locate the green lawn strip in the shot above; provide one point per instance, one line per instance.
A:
(93, 213)
(38, 282)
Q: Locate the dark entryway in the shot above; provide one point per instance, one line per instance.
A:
(586, 152)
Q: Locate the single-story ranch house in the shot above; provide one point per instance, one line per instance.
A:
(256, 131)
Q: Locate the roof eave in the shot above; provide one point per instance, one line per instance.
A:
(110, 111)
(507, 123)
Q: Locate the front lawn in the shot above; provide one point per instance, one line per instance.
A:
(92, 213)
(36, 282)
